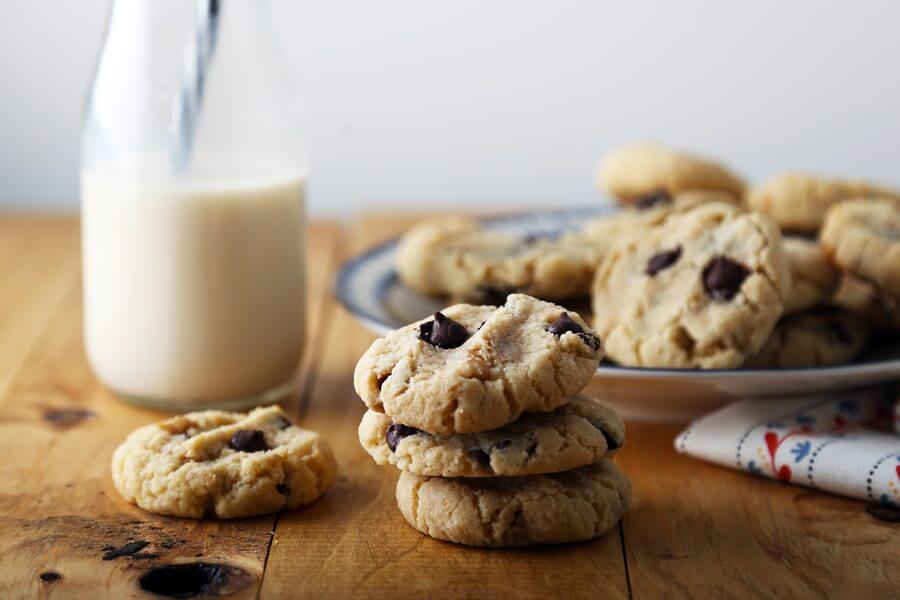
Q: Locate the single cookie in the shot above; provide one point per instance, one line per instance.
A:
(563, 507)
(863, 237)
(458, 257)
(223, 464)
(863, 299)
(813, 339)
(640, 173)
(813, 278)
(703, 290)
(798, 202)
(475, 368)
(577, 434)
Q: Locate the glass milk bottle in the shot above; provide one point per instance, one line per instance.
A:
(192, 192)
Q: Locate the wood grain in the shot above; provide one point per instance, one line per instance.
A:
(354, 542)
(695, 530)
(61, 518)
(699, 530)
(39, 264)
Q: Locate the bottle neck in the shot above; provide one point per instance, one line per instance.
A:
(186, 83)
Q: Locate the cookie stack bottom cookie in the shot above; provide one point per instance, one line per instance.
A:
(545, 478)
(571, 506)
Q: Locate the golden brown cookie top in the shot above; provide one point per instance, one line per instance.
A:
(475, 368)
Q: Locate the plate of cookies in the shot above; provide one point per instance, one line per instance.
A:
(702, 288)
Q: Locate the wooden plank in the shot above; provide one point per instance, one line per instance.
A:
(39, 259)
(354, 542)
(699, 530)
(60, 516)
(695, 530)
(322, 260)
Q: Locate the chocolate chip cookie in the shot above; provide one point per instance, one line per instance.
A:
(702, 290)
(813, 339)
(223, 464)
(571, 506)
(454, 256)
(813, 278)
(863, 238)
(798, 201)
(474, 368)
(641, 174)
(577, 434)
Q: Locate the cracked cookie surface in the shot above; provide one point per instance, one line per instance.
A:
(458, 257)
(702, 290)
(813, 278)
(223, 464)
(798, 201)
(814, 339)
(515, 358)
(636, 173)
(579, 433)
(863, 238)
(571, 506)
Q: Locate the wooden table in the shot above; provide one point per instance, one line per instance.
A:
(694, 530)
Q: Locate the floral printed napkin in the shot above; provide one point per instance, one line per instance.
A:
(846, 444)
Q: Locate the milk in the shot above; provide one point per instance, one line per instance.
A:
(193, 292)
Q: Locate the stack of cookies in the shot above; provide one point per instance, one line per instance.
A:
(696, 269)
(480, 408)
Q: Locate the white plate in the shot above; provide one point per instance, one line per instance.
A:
(368, 287)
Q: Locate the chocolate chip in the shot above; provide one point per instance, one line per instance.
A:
(396, 432)
(838, 332)
(248, 440)
(723, 277)
(883, 512)
(483, 458)
(443, 332)
(50, 576)
(503, 444)
(493, 295)
(532, 448)
(565, 324)
(662, 260)
(283, 489)
(650, 200)
(194, 579)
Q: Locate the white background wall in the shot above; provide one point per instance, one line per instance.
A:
(472, 103)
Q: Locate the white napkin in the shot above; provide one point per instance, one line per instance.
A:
(843, 444)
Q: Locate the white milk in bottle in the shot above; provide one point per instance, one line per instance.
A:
(193, 292)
